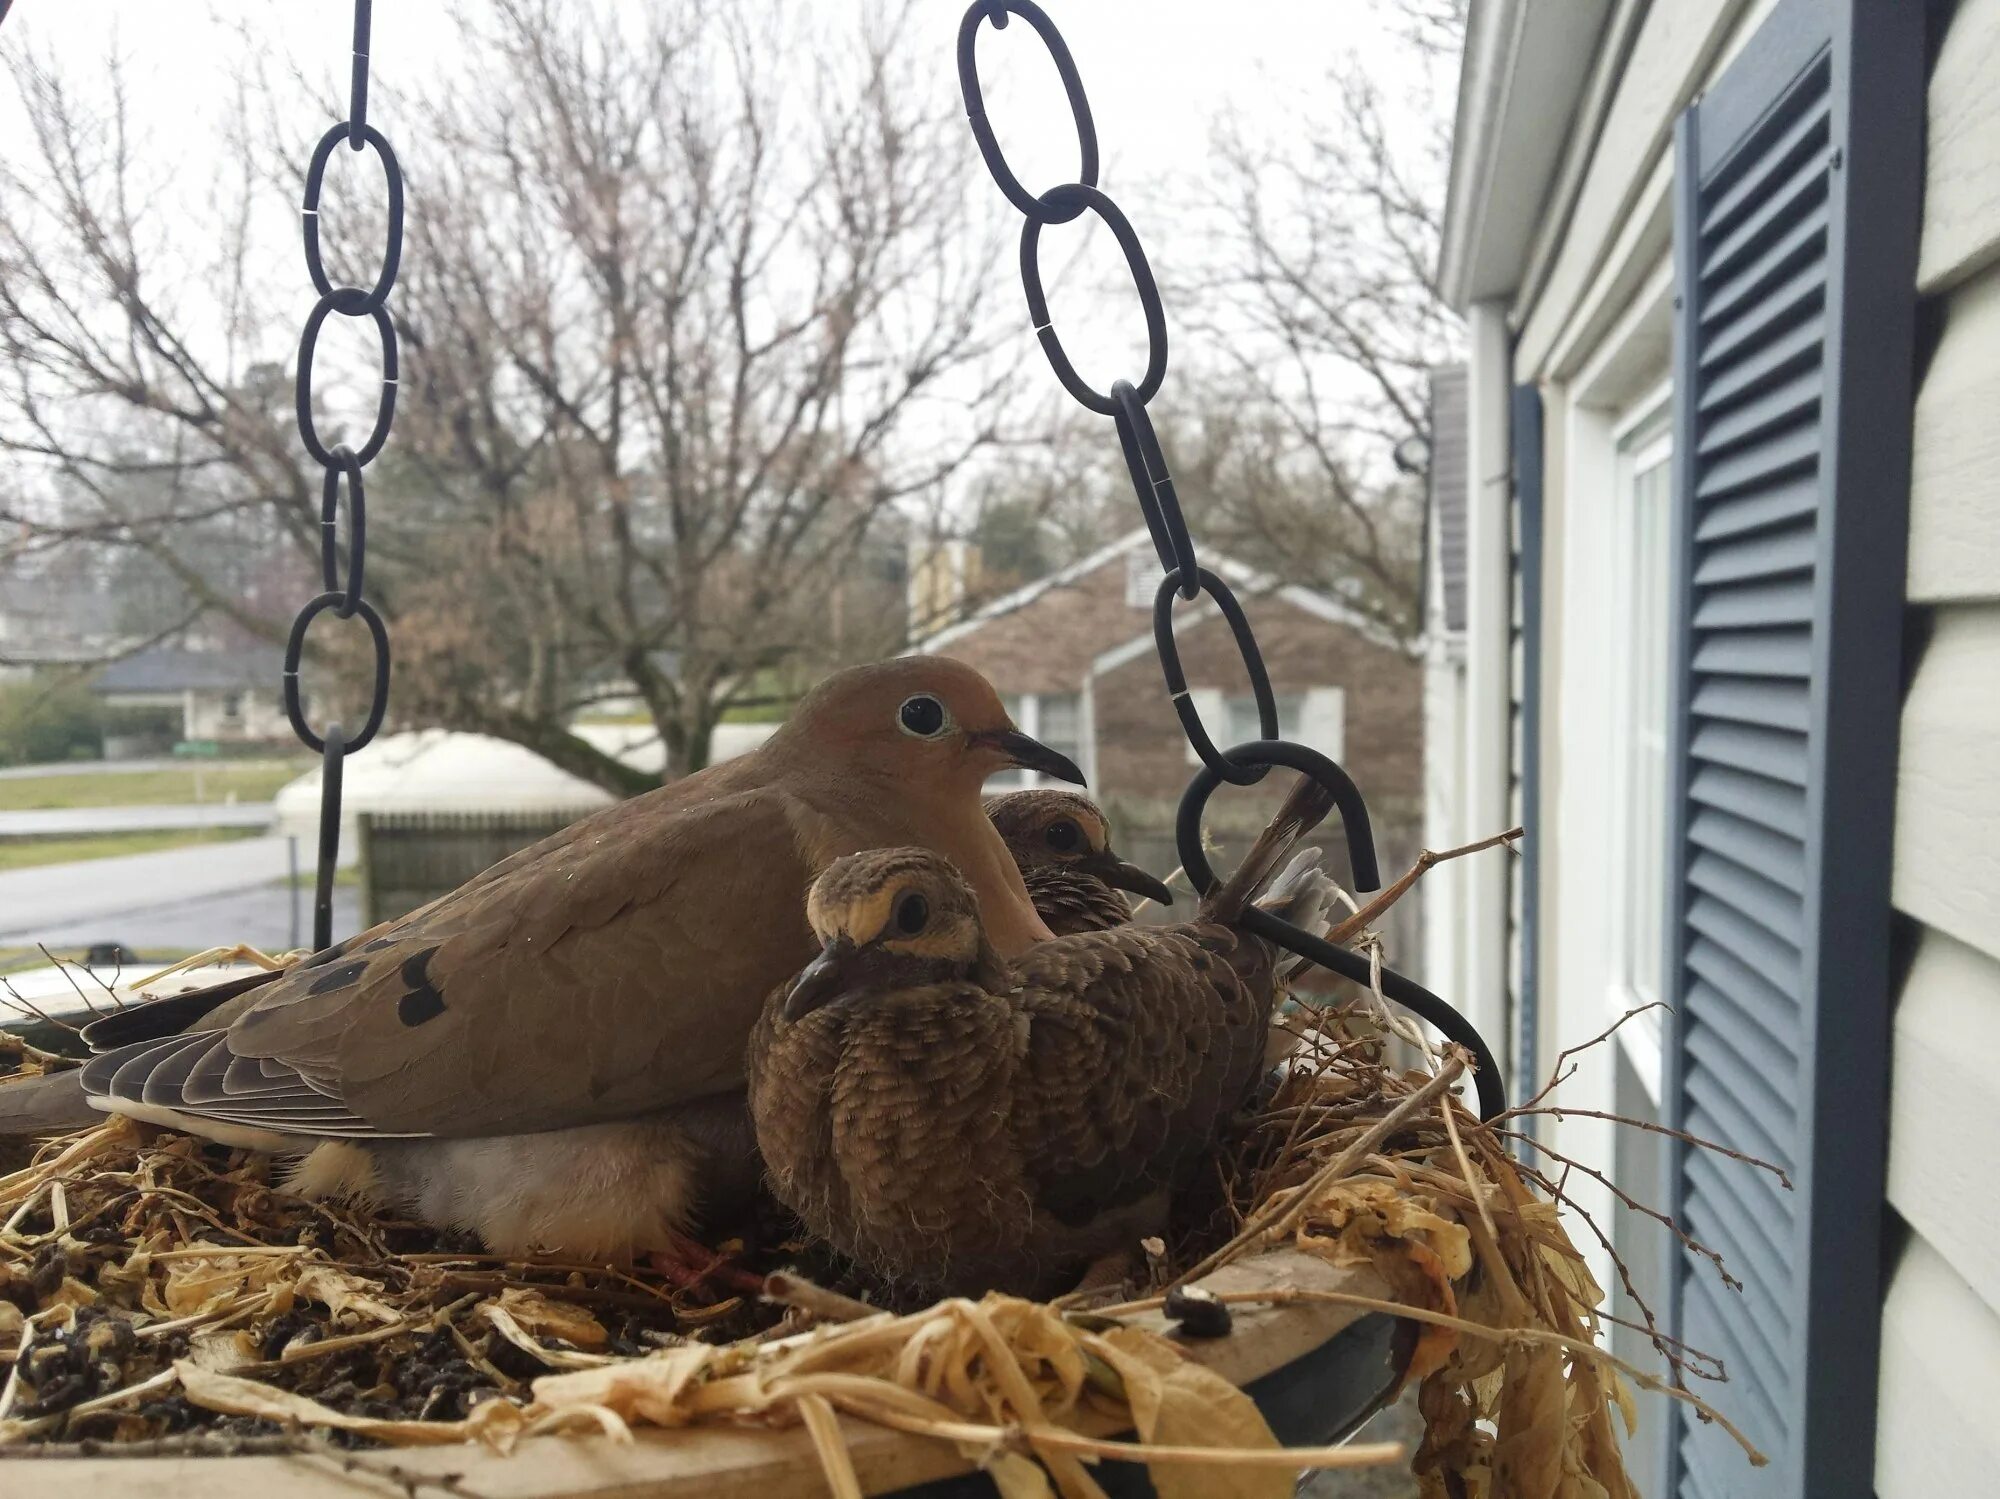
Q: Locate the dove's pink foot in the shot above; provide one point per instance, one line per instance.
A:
(687, 1265)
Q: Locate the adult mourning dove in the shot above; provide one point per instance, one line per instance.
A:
(552, 1055)
(1062, 842)
(957, 1120)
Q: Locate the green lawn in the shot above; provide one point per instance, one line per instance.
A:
(250, 780)
(32, 853)
(308, 878)
(16, 959)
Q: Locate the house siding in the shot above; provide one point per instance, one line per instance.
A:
(1941, 1309)
(1144, 763)
(1048, 644)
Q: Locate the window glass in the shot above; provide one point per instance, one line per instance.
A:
(1142, 578)
(1644, 568)
(1055, 718)
(1021, 710)
(1060, 719)
(1243, 722)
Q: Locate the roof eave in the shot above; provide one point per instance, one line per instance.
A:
(1525, 68)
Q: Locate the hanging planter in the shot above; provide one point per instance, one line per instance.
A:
(165, 1293)
(162, 1297)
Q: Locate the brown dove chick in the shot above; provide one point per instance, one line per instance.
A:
(552, 1055)
(957, 1121)
(1062, 842)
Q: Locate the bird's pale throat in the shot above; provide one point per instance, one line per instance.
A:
(965, 836)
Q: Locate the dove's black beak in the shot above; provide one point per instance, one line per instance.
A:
(1119, 875)
(1030, 754)
(819, 981)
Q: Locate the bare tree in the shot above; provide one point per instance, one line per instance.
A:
(1305, 328)
(684, 343)
(1318, 304)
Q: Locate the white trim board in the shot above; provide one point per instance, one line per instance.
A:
(1526, 66)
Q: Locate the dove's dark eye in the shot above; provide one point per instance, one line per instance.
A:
(1062, 835)
(912, 911)
(923, 716)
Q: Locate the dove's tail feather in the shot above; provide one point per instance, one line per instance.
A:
(49, 1105)
(1302, 894)
(1302, 811)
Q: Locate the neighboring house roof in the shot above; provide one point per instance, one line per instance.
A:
(1445, 541)
(1239, 577)
(170, 669)
(1007, 603)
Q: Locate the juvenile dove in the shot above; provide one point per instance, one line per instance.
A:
(957, 1120)
(1062, 842)
(552, 1055)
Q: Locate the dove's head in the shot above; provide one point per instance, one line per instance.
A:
(925, 721)
(1066, 830)
(887, 919)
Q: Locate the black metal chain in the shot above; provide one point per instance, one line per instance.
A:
(1125, 404)
(340, 462)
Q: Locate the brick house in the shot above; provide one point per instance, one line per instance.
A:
(1073, 655)
(165, 694)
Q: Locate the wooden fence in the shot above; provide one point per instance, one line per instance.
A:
(409, 859)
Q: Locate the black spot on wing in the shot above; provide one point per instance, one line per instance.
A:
(424, 1001)
(332, 954)
(338, 978)
(378, 944)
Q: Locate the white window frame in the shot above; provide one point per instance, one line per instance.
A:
(1611, 406)
(1643, 439)
(1028, 719)
(1142, 578)
(1320, 719)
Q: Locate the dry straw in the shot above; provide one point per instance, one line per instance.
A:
(167, 1296)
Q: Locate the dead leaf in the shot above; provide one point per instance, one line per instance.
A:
(341, 1293)
(201, 1284)
(648, 1390)
(246, 1397)
(1015, 1476)
(221, 1351)
(1533, 1423)
(1179, 1403)
(546, 1317)
(503, 1322)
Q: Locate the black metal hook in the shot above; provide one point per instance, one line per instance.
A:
(1353, 810)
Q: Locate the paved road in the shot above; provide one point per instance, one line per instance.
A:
(50, 822)
(96, 768)
(197, 887)
(261, 917)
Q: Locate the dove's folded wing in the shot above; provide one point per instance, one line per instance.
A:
(612, 970)
(1141, 1041)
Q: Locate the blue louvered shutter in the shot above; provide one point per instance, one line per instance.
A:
(1798, 181)
(1526, 652)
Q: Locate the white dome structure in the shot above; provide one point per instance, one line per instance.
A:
(445, 770)
(437, 770)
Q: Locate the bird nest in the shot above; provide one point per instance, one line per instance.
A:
(159, 1295)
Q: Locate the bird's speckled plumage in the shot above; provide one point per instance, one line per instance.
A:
(1062, 842)
(606, 977)
(959, 1122)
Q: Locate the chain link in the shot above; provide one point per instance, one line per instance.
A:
(1158, 502)
(345, 599)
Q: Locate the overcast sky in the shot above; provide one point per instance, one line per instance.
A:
(1160, 75)
(1158, 71)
